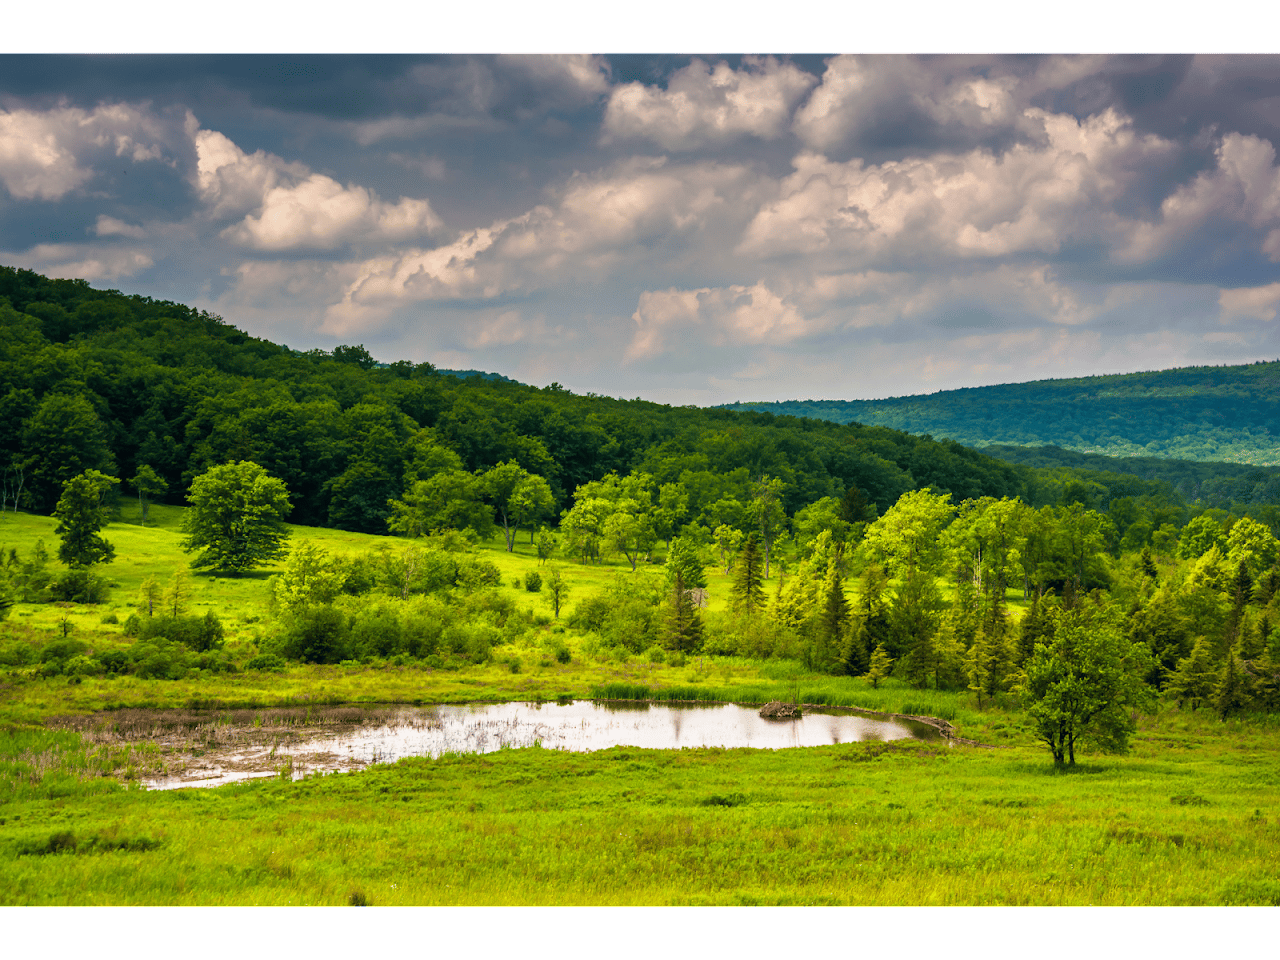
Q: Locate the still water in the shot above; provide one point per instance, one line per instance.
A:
(481, 728)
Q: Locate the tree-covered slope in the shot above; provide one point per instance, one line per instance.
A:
(1193, 413)
(93, 379)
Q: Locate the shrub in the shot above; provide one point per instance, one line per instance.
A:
(533, 581)
(17, 655)
(317, 635)
(563, 655)
(63, 649)
(110, 618)
(82, 666)
(80, 585)
(112, 661)
(266, 661)
(196, 633)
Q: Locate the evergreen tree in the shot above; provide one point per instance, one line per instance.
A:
(682, 627)
(748, 578)
(1149, 569)
(1193, 681)
(81, 514)
(881, 665)
(1231, 693)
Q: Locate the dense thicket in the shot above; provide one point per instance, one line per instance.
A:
(1195, 413)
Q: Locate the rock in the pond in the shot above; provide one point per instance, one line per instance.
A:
(777, 710)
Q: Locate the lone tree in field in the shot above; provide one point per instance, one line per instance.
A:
(1084, 679)
(80, 514)
(236, 518)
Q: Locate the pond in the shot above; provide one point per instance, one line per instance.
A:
(210, 749)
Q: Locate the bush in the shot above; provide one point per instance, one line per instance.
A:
(196, 633)
(112, 661)
(533, 581)
(266, 661)
(80, 585)
(63, 649)
(563, 655)
(110, 618)
(317, 635)
(17, 655)
(82, 666)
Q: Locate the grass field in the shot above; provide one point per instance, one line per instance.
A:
(1187, 818)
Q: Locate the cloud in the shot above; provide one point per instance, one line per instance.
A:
(703, 105)
(1249, 303)
(739, 316)
(642, 215)
(1243, 187)
(84, 261)
(287, 207)
(319, 213)
(867, 101)
(111, 227)
(45, 155)
(1031, 198)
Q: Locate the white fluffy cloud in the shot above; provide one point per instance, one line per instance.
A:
(708, 105)
(287, 207)
(1034, 197)
(643, 215)
(47, 154)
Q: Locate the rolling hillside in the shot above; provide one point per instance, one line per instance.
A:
(1194, 413)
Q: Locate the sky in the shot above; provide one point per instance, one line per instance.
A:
(691, 229)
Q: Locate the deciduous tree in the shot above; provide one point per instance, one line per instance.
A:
(236, 518)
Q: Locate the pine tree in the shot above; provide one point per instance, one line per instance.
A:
(1192, 682)
(748, 578)
(1149, 569)
(1231, 694)
(881, 665)
(682, 629)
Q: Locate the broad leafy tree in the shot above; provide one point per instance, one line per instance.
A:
(236, 518)
(1085, 680)
(81, 514)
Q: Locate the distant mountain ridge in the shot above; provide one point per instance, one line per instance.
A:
(1227, 413)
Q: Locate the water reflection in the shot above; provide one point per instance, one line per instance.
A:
(482, 728)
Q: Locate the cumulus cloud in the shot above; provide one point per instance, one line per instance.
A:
(734, 315)
(287, 207)
(1243, 187)
(901, 99)
(1032, 197)
(47, 154)
(708, 105)
(642, 214)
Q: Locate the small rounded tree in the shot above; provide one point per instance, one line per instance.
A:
(236, 518)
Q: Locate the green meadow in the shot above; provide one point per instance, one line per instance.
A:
(1187, 817)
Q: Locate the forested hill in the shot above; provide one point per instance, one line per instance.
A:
(1193, 413)
(95, 379)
